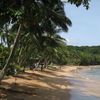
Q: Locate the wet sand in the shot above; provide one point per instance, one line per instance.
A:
(84, 87)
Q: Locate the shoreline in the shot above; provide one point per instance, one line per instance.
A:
(50, 84)
(46, 85)
(85, 87)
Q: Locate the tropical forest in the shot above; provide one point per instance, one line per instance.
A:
(31, 45)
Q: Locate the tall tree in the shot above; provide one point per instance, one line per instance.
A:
(33, 17)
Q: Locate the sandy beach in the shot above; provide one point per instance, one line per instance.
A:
(37, 85)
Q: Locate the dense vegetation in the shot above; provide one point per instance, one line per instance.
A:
(29, 32)
(84, 55)
(62, 55)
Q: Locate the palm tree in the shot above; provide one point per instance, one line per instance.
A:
(34, 17)
(79, 2)
(48, 47)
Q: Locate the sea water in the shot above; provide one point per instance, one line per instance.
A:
(93, 73)
(86, 84)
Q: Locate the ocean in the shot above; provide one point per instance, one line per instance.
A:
(86, 84)
(93, 73)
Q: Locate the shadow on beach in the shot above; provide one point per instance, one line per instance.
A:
(46, 85)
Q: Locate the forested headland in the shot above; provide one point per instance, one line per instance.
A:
(81, 55)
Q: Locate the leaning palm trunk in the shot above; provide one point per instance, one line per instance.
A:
(45, 63)
(3, 71)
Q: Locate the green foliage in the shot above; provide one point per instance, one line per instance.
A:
(4, 52)
(79, 2)
(36, 23)
(83, 55)
(14, 69)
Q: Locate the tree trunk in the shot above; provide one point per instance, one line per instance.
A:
(24, 68)
(3, 71)
(45, 63)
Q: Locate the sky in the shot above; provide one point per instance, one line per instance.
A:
(85, 30)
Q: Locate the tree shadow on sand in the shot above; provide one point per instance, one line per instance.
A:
(57, 89)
